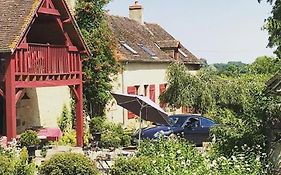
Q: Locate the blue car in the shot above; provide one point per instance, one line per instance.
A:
(192, 127)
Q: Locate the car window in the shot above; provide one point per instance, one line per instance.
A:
(177, 121)
(206, 122)
(192, 123)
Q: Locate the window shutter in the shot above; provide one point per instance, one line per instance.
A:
(131, 90)
(152, 92)
(162, 89)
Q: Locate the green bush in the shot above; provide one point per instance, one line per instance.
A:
(164, 157)
(11, 164)
(176, 156)
(22, 167)
(6, 165)
(65, 120)
(96, 124)
(112, 135)
(68, 138)
(29, 138)
(68, 164)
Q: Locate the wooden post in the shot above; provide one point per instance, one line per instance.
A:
(79, 115)
(11, 101)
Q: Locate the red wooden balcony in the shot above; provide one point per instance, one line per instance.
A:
(43, 59)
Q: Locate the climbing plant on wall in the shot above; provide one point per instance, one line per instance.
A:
(101, 67)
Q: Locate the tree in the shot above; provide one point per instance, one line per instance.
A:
(265, 65)
(102, 65)
(236, 101)
(273, 26)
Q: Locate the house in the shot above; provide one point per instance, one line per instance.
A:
(145, 51)
(274, 84)
(40, 63)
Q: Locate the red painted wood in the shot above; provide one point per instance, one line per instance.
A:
(78, 34)
(47, 59)
(18, 95)
(42, 65)
(131, 90)
(152, 92)
(72, 49)
(50, 83)
(68, 20)
(79, 116)
(48, 11)
(1, 92)
(23, 46)
(68, 40)
(10, 93)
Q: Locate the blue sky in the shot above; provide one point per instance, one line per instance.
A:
(217, 30)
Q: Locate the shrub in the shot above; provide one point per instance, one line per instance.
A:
(6, 165)
(12, 164)
(29, 138)
(112, 135)
(68, 138)
(162, 157)
(97, 124)
(22, 167)
(68, 164)
(65, 121)
(176, 156)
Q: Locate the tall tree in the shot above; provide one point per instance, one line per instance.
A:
(273, 26)
(101, 66)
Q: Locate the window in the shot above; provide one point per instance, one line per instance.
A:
(162, 89)
(137, 89)
(148, 51)
(181, 52)
(206, 122)
(128, 47)
(152, 92)
(131, 90)
(145, 90)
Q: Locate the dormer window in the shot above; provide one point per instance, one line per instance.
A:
(148, 51)
(128, 48)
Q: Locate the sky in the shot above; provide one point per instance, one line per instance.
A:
(216, 30)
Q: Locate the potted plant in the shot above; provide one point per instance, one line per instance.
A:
(30, 140)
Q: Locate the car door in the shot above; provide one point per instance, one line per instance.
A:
(206, 124)
(193, 131)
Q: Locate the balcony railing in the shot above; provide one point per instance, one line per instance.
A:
(40, 59)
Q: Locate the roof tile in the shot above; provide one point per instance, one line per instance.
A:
(15, 17)
(151, 36)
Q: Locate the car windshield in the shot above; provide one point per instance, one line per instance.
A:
(177, 121)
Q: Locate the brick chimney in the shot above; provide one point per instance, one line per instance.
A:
(136, 12)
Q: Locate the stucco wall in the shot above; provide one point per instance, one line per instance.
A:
(71, 5)
(43, 108)
(136, 74)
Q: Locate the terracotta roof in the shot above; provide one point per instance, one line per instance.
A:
(141, 38)
(15, 17)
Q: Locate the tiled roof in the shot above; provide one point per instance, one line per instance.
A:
(151, 36)
(15, 17)
(274, 84)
